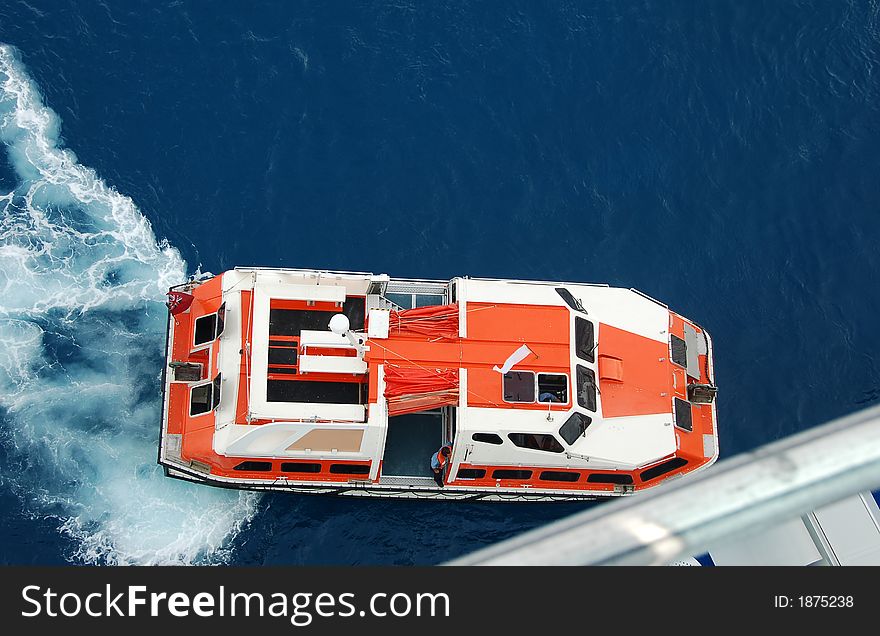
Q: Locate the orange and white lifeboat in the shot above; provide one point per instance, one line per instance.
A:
(350, 383)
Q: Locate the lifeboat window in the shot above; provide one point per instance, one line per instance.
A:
(487, 438)
(570, 300)
(300, 467)
(206, 329)
(536, 441)
(584, 339)
(471, 473)
(610, 478)
(200, 399)
(683, 415)
(559, 475)
(349, 469)
(586, 388)
(519, 386)
(679, 350)
(506, 473)
(552, 387)
(661, 469)
(574, 427)
(256, 467)
(204, 397)
(405, 301)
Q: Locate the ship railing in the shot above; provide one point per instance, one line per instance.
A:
(300, 270)
(741, 496)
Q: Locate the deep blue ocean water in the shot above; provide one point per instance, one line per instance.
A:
(720, 156)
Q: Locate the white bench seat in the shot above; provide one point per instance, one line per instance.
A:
(324, 339)
(331, 364)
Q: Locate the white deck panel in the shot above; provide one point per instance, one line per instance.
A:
(620, 442)
(630, 441)
(852, 528)
(378, 323)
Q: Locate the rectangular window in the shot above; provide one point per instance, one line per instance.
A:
(574, 427)
(505, 473)
(679, 350)
(200, 399)
(553, 387)
(205, 329)
(536, 441)
(349, 469)
(300, 467)
(252, 466)
(487, 438)
(584, 339)
(661, 469)
(610, 478)
(559, 475)
(683, 415)
(404, 301)
(519, 386)
(471, 473)
(205, 397)
(586, 388)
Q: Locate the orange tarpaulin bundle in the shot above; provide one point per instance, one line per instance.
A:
(414, 389)
(436, 321)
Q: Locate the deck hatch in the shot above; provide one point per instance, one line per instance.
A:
(519, 386)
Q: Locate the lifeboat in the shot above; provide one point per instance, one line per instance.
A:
(346, 383)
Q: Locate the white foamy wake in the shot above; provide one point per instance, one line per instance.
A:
(82, 328)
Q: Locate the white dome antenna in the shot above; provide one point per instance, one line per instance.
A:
(339, 324)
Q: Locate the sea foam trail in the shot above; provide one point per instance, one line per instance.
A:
(82, 328)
